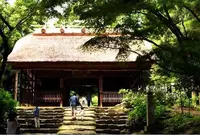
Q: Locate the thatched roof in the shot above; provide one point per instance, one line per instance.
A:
(59, 48)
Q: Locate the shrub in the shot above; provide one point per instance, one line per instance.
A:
(137, 104)
(94, 100)
(7, 103)
(72, 92)
(182, 124)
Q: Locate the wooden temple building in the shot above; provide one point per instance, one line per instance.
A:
(49, 64)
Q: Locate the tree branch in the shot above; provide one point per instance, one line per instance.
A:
(6, 22)
(182, 23)
(165, 68)
(192, 12)
(169, 23)
(116, 48)
(28, 15)
(172, 22)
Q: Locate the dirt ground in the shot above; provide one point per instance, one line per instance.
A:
(193, 111)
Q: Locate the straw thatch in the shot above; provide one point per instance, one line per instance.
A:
(59, 48)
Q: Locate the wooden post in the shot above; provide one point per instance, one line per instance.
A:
(16, 85)
(33, 87)
(150, 112)
(100, 91)
(193, 97)
(61, 87)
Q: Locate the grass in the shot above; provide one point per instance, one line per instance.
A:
(182, 124)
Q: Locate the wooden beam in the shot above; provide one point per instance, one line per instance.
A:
(16, 85)
(82, 65)
(100, 91)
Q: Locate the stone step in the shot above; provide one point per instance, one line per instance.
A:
(77, 127)
(78, 108)
(85, 111)
(111, 121)
(79, 118)
(42, 125)
(38, 130)
(92, 123)
(56, 117)
(112, 117)
(111, 126)
(111, 114)
(42, 109)
(107, 131)
(79, 115)
(106, 108)
(75, 132)
(30, 120)
(42, 116)
(41, 112)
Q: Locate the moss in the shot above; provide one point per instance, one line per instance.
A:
(76, 127)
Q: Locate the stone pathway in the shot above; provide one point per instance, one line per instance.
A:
(87, 125)
(99, 120)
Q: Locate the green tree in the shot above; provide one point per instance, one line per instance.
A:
(172, 27)
(16, 21)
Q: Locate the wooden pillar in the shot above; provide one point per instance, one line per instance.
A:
(62, 91)
(194, 97)
(16, 85)
(33, 87)
(100, 91)
(150, 113)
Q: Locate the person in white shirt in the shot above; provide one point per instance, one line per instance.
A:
(12, 124)
(82, 112)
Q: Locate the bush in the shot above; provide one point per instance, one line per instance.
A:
(7, 103)
(182, 124)
(94, 100)
(137, 104)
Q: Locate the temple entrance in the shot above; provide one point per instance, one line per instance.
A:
(83, 90)
(81, 86)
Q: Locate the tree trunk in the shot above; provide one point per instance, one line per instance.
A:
(181, 103)
(5, 45)
(3, 67)
(189, 105)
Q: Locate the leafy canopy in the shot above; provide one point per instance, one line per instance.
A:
(172, 27)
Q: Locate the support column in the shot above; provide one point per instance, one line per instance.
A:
(150, 113)
(194, 97)
(16, 85)
(100, 91)
(33, 87)
(62, 91)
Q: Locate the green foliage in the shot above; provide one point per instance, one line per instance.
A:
(182, 124)
(163, 96)
(16, 21)
(72, 92)
(172, 27)
(138, 107)
(7, 103)
(137, 103)
(94, 100)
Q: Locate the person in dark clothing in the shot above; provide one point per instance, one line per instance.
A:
(74, 103)
(36, 116)
(88, 99)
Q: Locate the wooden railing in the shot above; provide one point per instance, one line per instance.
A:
(49, 97)
(112, 97)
